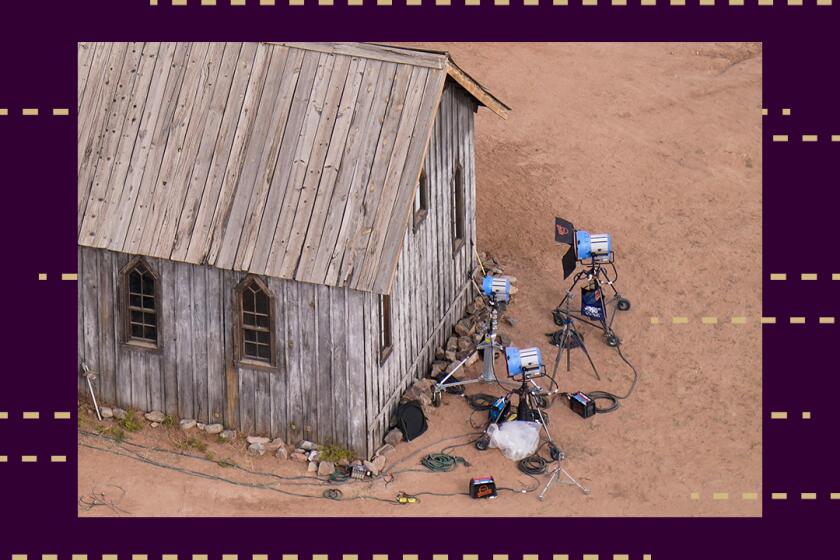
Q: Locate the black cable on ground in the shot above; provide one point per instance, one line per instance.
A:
(307, 480)
(533, 465)
(614, 399)
(481, 401)
(256, 486)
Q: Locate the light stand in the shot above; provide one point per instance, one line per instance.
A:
(488, 348)
(596, 275)
(527, 365)
(570, 338)
(555, 475)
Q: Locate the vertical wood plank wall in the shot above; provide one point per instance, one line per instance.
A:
(328, 385)
(431, 287)
(316, 391)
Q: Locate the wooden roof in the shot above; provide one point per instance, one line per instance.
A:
(297, 161)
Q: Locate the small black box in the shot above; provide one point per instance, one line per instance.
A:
(581, 404)
(484, 487)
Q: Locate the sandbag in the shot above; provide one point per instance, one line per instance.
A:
(516, 440)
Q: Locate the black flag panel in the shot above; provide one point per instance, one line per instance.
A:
(569, 262)
(564, 231)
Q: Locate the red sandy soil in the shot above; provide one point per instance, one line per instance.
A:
(658, 144)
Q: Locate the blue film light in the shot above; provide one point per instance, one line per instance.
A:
(523, 360)
(496, 286)
(592, 245)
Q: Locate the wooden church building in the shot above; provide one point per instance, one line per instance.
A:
(274, 237)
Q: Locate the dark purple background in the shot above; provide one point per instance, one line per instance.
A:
(38, 58)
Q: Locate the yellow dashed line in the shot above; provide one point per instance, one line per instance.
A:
(590, 557)
(709, 320)
(42, 276)
(739, 320)
(49, 557)
(4, 415)
(208, 2)
(768, 320)
(146, 556)
(780, 138)
(835, 276)
(621, 557)
(262, 557)
(778, 276)
(60, 112)
(764, 112)
(169, 557)
(778, 496)
(835, 137)
(797, 320)
(679, 320)
(809, 138)
(835, 495)
(4, 459)
(780, 415)
(826, 320)
(29, 112)
(695, 495)
(720, 496)
(808, 276)
(69, 276)
(29, 459)
(806, 414)
(237, 2)
(654, 320)
(31, 415)
(808, 495)
(61, 415)
(786, 112)
(4, 112)
(749, 496)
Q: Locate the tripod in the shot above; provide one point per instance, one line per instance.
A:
(529, 408)
(569, 338)
(555, 474)
(488, 348)
(595, 274)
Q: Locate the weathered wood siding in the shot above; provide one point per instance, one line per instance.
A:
(328, 385)
(284, 161)
(316, 392)
(431, 287)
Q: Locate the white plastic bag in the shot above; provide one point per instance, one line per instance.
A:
(516, 440)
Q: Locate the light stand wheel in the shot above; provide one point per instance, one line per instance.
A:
(623, 304)
(482, 443)
(436, 397)
(613, 341)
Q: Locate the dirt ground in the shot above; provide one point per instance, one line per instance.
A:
(657, 144)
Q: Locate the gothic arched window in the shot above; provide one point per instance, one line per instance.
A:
(256, 322)
(140, 309)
